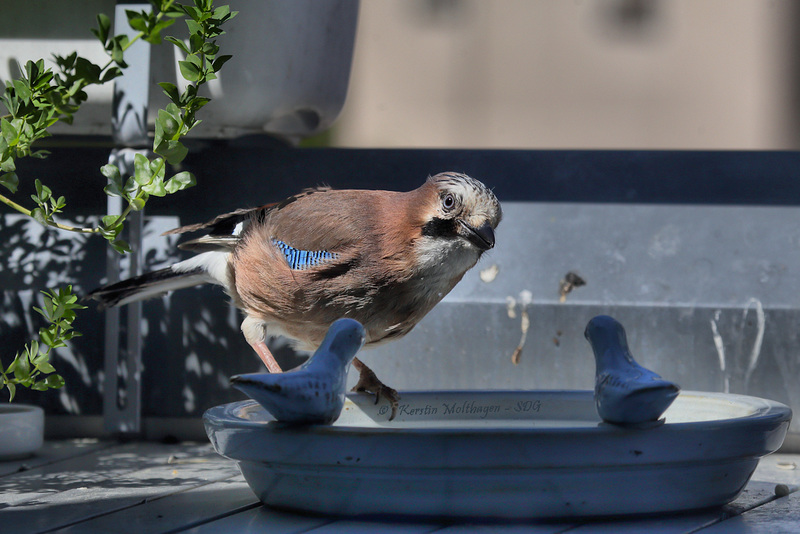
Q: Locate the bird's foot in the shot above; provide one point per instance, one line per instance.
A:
(368, 382)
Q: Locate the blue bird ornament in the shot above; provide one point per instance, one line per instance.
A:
(315, 391)
(625, 392)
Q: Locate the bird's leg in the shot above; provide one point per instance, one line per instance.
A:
(255, 332)
(368, 382)
(266, 356)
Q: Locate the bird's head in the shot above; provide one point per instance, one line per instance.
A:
(345, 338)
(608, 339)
(461, 212)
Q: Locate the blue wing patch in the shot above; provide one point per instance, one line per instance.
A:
(303, 259)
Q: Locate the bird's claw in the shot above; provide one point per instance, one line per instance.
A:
(368, 382)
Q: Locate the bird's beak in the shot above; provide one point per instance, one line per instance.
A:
(482, 237)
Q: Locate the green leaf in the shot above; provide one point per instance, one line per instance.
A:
(200, 101)
(39, 385)
(49, 307)
(86, 73)
(22, 369)
(130, 189)
(8, 165)
(10, 368)
(72, 333)
(12, 390)
(136, 20)
(169, 123)
(44, 357)
(48, 336)
(32, 69)
(219, 62)
(138, 203)
(195, 42)
(45, 367)
(210, 49)
(103, 28)
(57, 204)
(195, 60)
(111, 73)
(42, 81)
(195, 14)
(39, 216)
(155, 188)
(173, 109)
(67, 62)
(154, 36)
(111, 172)
(177, 42)
(110, 233)
(117, 46)
(10, 181)
(23, 90)
(110, 221)
(173, 151)
(54, 381)
(10, 132)
(121, 246)
(180, 181)
(189, 70)
(42, 191)
(158, 168)
(114, 187)
(41, 312)
(171, 91)
(142, 173)
(222, 13)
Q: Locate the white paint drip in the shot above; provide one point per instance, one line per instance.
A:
(525, 300)
(511, 307)
(490, 273)
(718, 343)
(755, 352)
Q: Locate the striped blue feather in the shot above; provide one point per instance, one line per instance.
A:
(303, 259)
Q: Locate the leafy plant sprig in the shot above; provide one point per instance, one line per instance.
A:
(32, 367)
(40, 98)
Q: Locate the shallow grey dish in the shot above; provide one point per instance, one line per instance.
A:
(501, 454)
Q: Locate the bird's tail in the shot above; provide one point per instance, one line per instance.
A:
(147, 286)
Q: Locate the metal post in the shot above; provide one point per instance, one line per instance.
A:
(122, 386)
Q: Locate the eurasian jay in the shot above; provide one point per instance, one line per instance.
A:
(383, 258)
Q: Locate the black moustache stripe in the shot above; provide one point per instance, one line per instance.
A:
(437, 227)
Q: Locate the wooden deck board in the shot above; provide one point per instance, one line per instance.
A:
(86, 470)
(262, 519)
(197, 505)
(53, 452)
(123, 477)
(781, 515)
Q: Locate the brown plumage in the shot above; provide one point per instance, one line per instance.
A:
(383, 258)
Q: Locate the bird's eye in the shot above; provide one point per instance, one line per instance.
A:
(448, 201)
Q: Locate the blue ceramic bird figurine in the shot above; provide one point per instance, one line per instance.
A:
(315, 391)
(625, 392)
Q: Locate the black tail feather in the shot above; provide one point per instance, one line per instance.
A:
(145, 286)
